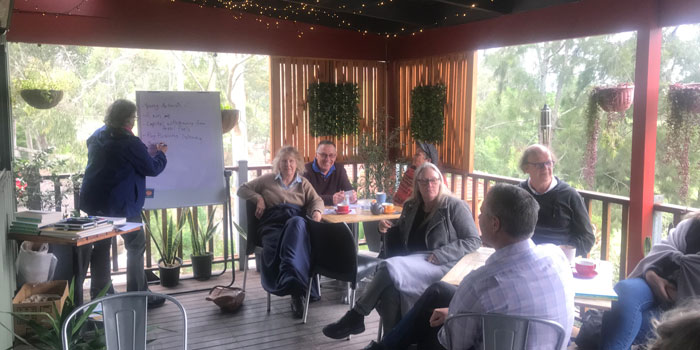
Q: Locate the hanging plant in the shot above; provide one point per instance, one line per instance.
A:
(428, 113)
(40, 91)
(592, 132)
(683, 125)
(615, 100)
(229, 119)
(333, 109)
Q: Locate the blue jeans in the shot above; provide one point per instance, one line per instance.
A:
(629, 321)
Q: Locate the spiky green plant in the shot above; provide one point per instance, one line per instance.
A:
(50, 338)
(201, 232)
(167, 243)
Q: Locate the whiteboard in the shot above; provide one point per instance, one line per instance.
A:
(189, 122)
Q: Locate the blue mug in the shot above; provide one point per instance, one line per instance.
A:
(380, 197)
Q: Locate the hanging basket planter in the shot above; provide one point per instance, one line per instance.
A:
(685, 97)
(615, 98)
(42, 99)
(229, 119)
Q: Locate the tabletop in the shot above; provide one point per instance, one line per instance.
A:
(69, 241)
(596, 292)
(358, 215)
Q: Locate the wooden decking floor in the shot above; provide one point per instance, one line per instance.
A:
(251, 327)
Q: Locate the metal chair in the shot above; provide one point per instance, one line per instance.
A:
(502, 332)
(334, 255)
(124, 317)
(253, 243)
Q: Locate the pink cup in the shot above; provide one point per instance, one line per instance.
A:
(342, 208)
(585, 267)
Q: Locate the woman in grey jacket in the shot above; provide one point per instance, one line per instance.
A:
(434, 231)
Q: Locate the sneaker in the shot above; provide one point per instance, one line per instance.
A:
(351, 323)
(297, 306)
(155, 302)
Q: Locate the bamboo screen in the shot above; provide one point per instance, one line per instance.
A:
(458, 73)
(289, 80)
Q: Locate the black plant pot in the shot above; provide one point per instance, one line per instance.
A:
(169, 276)
(42, 99)
(201, 266)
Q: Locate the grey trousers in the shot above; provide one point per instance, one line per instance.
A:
(381, 294)
(100, 267)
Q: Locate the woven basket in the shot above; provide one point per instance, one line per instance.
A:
(615, 98)
(686, 96)
(228, 299)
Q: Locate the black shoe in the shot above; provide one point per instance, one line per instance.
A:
(373, 345)
(297, 306)
(351, 323)
(154, 302)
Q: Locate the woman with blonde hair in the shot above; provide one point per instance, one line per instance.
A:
(434, 231)
(678, 329)
(283, 198)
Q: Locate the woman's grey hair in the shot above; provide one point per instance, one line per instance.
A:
(442, 194)
(532, 149)
(515, 208)
(678, 328)
(119, 113)
(288, 151)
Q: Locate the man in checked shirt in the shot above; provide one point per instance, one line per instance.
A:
(518, 279)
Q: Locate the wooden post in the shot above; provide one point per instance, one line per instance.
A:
(242, 214)
(646, 101)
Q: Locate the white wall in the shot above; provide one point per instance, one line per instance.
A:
(7, 257)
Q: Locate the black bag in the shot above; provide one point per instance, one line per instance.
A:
(589, 335)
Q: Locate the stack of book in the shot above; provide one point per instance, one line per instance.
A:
(31, 221)
(74, 228)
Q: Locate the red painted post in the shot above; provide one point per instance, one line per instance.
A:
(646, 101)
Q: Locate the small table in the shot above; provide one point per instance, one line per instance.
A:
(596, 292)
(358, 215)
(75, 243)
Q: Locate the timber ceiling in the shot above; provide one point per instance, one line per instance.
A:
(385, 17)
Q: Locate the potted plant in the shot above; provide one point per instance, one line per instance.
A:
(379, 170)
(428, 112)
(229, 118)
(333, 109)
(50, 338)
(614, 100)
(167, 243)
(683, 125)
(40, 91)
(201, 233)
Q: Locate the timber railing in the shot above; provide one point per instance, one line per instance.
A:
(608, 212)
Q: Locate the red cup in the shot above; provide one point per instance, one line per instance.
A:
(585, 267)
(342, 208)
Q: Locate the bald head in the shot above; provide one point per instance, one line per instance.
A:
(535, 151)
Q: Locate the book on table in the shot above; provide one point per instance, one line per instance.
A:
(39, 217)
(61, 232)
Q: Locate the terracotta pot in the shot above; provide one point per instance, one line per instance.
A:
(615, 98)
(229, 119)
(685, 96)
(42, 99)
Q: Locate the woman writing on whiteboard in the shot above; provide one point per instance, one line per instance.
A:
(282, 200)
(114, 185)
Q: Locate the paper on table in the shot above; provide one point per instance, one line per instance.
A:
(598, 287)
(128, 226)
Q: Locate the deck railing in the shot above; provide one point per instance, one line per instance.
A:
(608, 213)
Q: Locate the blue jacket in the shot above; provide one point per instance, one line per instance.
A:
(115, 177)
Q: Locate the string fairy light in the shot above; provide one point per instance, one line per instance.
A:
(315, 12)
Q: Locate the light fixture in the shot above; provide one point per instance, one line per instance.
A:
(5, 14)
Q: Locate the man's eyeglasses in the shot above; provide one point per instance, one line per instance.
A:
(326, 155)
(542, 165)
(424, 182)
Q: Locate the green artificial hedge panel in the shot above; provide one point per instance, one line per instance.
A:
(428, 112)
(333, 109)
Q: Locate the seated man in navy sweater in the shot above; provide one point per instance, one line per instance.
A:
(562, 219)
(328, 178)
